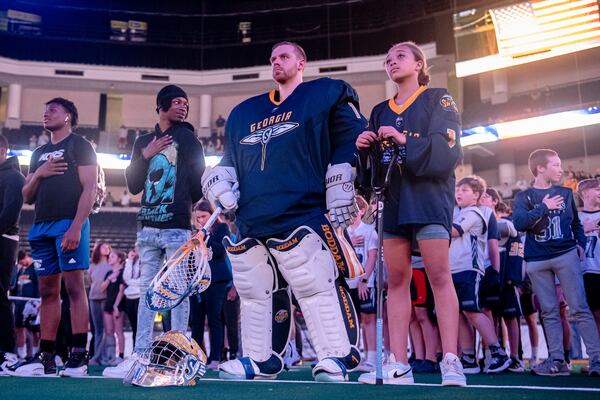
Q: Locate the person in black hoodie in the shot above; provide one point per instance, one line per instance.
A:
(210, 302)
(166, 166)
(11, 201)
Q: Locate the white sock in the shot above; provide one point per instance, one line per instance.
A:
(372, 357)
(22, 351)
(534, 352)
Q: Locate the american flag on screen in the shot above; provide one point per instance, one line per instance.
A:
(542, 25)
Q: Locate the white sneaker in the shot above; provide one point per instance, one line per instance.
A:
(7, 359)
(393, 373)
(330, 370)
(121, 370)
(452, 371)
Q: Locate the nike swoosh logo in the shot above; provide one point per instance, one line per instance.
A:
(396, 375)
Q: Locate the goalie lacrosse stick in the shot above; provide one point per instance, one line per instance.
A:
(186, 272)
(383, 156)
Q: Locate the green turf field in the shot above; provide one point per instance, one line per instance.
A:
(297, 384)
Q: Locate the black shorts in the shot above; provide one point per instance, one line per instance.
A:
(19, 306)
(509, 301)
(489, 291)
(421, 294)
(466, 284)
(591, 282)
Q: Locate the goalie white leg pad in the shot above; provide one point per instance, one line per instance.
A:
(309, 268)
(255, 280)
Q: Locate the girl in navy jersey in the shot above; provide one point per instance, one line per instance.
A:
(424, 122)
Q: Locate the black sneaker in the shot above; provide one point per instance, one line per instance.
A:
(426, 367)
(470, 365)
(41, 364)
(498, 362)
(76, 365)
(516, 365)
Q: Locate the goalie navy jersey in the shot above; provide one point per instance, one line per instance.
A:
(281, 150)
(563, 231)
(424, 192)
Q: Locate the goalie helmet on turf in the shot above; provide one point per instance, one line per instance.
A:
(172, 359)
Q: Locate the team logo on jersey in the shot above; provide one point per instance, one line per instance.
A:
(264, 136)
(399, 123)
(448, 104)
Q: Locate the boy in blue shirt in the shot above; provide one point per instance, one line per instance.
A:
(554, 248)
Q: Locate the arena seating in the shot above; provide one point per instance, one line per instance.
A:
(115, 227)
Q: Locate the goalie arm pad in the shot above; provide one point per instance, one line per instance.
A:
(217, 187)
(340, 197)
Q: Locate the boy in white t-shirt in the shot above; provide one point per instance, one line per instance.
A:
(364, 241)
(466, 265)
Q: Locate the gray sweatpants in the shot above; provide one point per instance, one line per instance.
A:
(568, 270)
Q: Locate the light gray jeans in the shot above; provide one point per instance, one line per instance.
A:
(155, 245)
(96, 313)
(568, 270)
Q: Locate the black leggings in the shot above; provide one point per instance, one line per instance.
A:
(8, 259)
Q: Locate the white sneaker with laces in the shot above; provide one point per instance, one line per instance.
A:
(393, 373)
(121, 370)
(452, 371)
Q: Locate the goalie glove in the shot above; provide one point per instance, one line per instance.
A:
(339, 183)
(217, 183)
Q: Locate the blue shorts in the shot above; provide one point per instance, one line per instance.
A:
(418, 232)
(466, 284)
(48, 257)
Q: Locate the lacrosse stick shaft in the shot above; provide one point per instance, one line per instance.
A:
(379, 293)
(214, 216)
(380, 195)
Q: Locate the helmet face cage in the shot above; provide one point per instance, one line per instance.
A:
(171, 360)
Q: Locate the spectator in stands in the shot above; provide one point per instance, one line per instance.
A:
(33, 142)
(167, 167)
(11, 201)
(210, 148)
(220, 124)
(109, 201)
(210, 302)
(113, 310)
(506, 191)
(43, 138)
(122, 137)
(62, 183)
(125, 199)
(131, 277)
(522, 183)
(26, 285)
(97, 296)
(571, 181)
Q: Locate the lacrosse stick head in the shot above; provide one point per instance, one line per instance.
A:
(383, 154)
(172, 359)
(181, 275)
